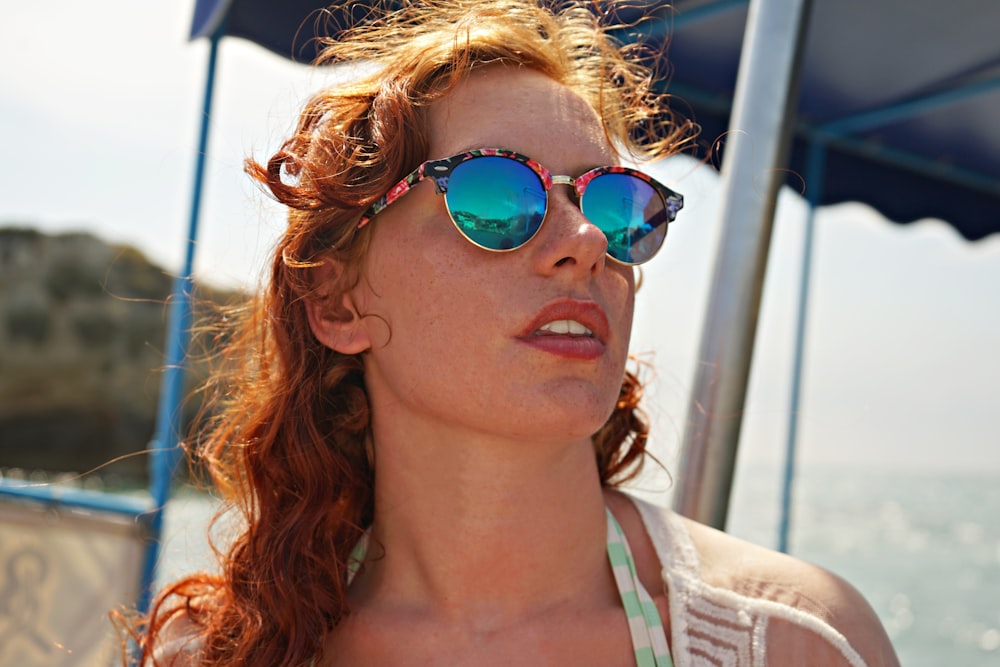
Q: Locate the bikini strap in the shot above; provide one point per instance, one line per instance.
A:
(648, 639)
(357, 557)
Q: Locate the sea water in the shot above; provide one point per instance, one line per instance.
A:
(923, 548)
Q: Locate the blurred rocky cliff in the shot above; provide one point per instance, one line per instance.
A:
(82, 329)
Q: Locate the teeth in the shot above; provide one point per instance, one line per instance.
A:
(571, 327)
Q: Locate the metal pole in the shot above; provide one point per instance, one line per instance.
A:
(755, 154)
(814, 190)
(165, 451)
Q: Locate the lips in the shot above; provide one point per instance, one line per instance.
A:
(570, 328)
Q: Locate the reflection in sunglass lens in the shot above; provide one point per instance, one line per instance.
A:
(496, 202)
(629, 212)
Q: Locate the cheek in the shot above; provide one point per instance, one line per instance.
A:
(625, 295)
(426, 285)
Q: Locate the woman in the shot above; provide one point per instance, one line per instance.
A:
(427, 411)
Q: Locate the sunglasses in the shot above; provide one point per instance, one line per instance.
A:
(497, 199)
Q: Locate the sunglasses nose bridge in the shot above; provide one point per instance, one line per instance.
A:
(569, 181)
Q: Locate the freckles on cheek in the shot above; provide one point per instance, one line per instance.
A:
(449, 262)
(459, 294)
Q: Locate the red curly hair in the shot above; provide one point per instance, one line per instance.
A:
(286, 442)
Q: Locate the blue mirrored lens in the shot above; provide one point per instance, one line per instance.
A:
(496, 202)
(629, 212)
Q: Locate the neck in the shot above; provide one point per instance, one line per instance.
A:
(484, 530)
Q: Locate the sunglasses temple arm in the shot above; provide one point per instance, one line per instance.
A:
(675, 203)
(395, 193)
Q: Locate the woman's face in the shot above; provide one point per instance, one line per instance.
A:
(462, 340)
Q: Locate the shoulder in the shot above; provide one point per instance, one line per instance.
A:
(176, 625)
(812, 616)
(800, 594)
(178, 643)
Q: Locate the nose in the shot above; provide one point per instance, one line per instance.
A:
(567, 240)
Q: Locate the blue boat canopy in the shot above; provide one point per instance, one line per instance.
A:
(902, 96)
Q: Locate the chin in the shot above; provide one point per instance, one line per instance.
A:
(576, 421)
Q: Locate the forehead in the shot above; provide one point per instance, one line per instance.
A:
(522, 110)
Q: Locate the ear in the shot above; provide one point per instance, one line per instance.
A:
(333, 318)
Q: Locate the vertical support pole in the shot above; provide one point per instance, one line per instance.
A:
(814, 191)
(752, 172)
(165, 450)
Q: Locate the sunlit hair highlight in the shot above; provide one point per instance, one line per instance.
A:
(287, 439)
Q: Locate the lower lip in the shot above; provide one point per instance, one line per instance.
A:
(570, 347)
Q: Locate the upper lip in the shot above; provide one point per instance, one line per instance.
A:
(587, 313)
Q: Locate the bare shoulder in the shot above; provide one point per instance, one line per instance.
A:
(178, 643)
(808, 593)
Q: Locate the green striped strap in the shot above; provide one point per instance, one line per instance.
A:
(648, 638)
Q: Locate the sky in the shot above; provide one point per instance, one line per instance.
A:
(100, 105)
